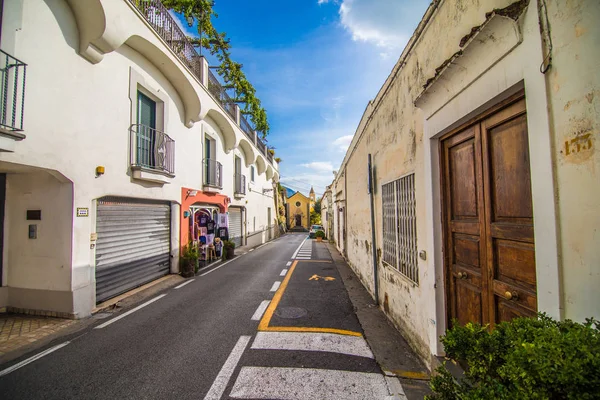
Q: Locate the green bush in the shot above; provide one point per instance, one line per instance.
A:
(320, 234)
(522, 359)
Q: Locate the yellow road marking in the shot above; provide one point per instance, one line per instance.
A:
(411, 374)
(266, 319)
(316, 277)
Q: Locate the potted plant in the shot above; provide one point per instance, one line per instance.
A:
(228, 249)
(319, 235)
(189, 260)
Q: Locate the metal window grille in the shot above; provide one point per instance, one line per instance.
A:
(400, 226)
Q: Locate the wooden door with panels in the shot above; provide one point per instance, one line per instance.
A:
(488, 217)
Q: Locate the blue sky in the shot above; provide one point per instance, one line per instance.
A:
(315, 65)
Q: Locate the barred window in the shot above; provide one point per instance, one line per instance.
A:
(400, 226)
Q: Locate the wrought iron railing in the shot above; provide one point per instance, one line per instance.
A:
(213, 173)
(152, 149)
(247, 128)
(269, 155)
(220, 93)
(240, 184)
(157, 15)
(262, 147)
(164, 24)
(12, 92)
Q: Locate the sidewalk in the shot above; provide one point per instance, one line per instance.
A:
(18, 330)
(392, 352)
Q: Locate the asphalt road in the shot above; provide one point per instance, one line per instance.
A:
(273, 323)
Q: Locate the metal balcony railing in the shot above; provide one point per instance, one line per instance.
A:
(157, 15)
(164, 24)
(262, 147)
(12, 92)
(247, 128)
(269, 156)
(240, 184)
(213, 173)
(152, 149)
(219, 92)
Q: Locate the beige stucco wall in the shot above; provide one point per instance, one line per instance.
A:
(574, 100)
(403, 138)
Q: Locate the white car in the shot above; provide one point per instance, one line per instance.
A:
(314, 229)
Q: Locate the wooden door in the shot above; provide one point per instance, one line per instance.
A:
(488, 219)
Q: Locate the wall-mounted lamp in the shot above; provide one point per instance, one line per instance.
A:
(99, 170)
(191, 192)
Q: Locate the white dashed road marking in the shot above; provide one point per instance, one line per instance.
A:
(221, 381)
(283, 272)
(275, 286)
(260, 310)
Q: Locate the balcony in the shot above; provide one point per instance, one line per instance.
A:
(152, 154)
(158, 16)
(164, 24)
(239, 181)
(213, 175)
(220, 94)
(12, 100)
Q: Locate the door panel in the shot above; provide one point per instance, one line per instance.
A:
(466, 253)
(509, 213)
(489, 253)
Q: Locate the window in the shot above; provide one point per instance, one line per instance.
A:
(298, 204)
(146, 135)
(252, 173)
(400, 226)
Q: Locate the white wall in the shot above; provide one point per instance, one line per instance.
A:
(43, 263)
(78, 115)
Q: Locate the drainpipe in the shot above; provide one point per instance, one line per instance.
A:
(375, 277)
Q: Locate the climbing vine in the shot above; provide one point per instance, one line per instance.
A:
(218, 45)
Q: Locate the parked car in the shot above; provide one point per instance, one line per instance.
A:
(314, 229)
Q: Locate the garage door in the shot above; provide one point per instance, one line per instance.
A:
(235, 225)
(133, 245)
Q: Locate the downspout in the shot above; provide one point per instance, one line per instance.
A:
(375, 277)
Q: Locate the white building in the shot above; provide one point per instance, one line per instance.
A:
(123, 134)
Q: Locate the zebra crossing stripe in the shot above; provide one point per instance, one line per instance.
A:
(312, 341)
(307, 384)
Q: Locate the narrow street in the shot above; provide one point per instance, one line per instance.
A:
(274, 323)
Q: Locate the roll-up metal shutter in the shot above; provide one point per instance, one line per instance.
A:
(235, 225)
(133, 245)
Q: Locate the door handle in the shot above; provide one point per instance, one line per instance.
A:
(462, 275)
(511, 296)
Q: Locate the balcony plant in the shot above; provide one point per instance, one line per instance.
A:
(228, 249)
(525, 358)
(319, 235)
(189, 260)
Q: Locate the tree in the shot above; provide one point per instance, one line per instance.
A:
(317, 206)
(218, 45)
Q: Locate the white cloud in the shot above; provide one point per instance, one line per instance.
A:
(342, 143)
(386, 23)
(319, 166)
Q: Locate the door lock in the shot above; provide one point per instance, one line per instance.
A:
(462, 275)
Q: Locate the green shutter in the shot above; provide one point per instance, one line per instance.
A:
(146, 119)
